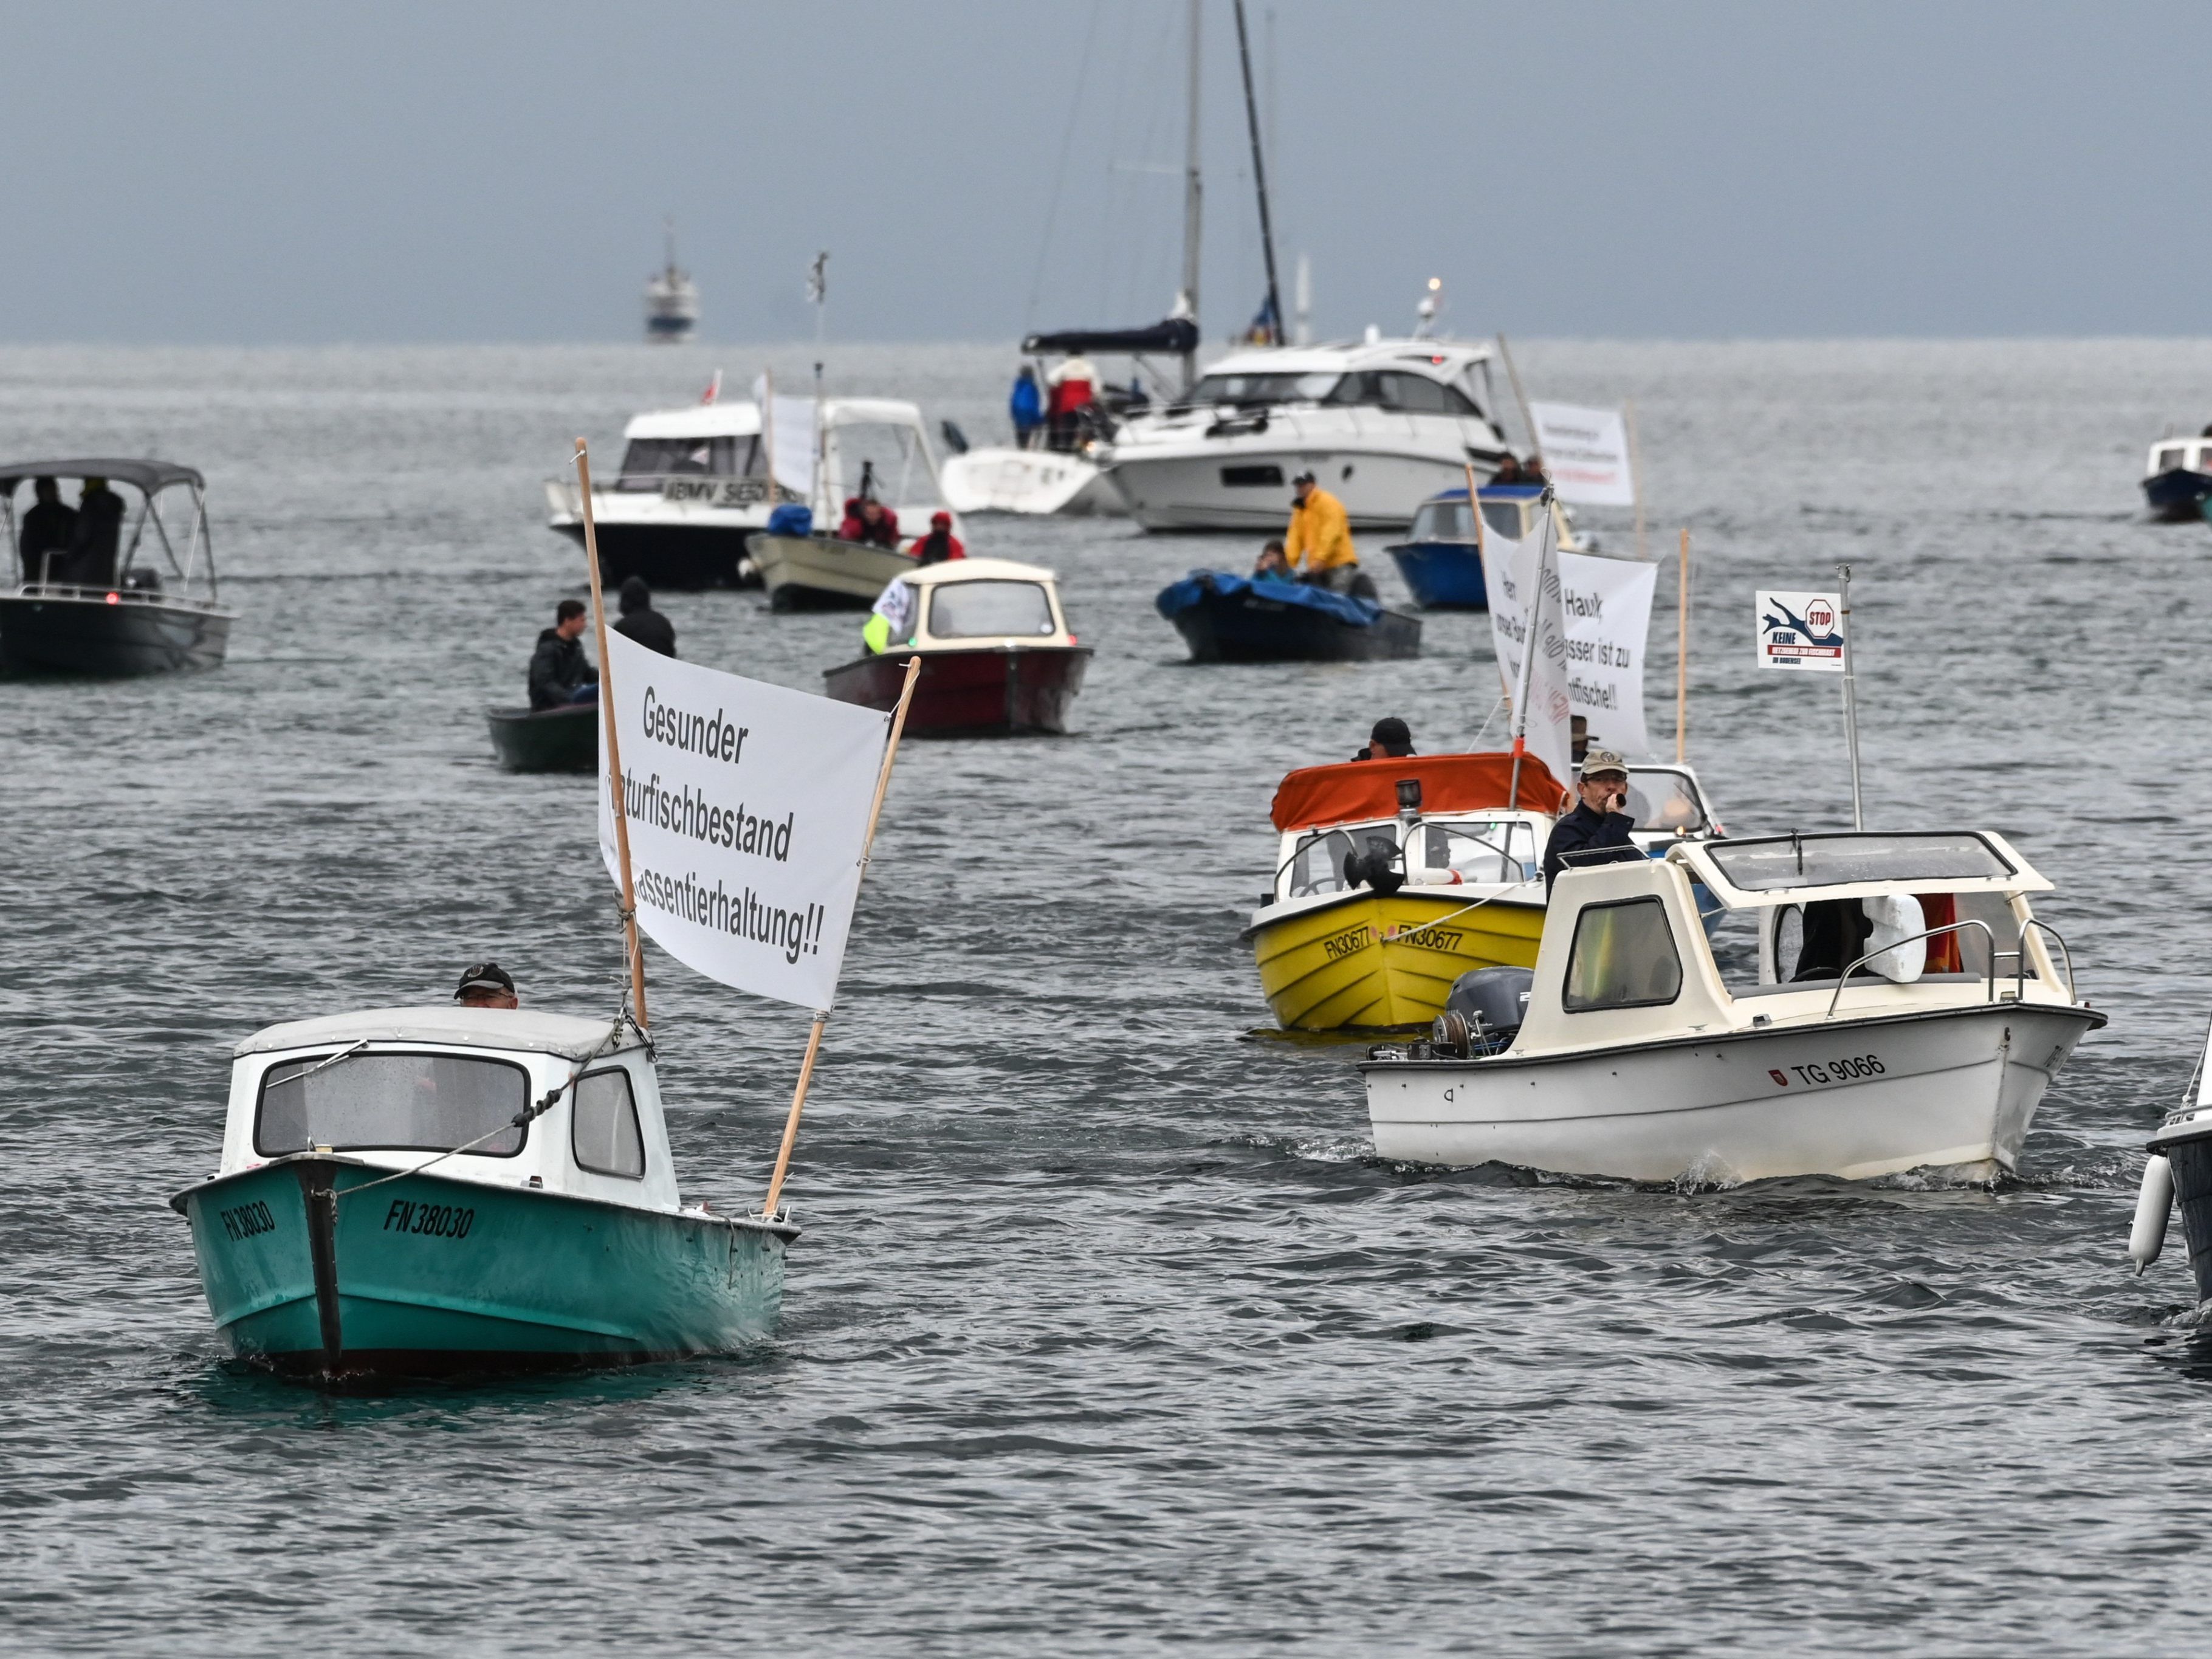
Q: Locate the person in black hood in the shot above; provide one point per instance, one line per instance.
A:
(560, 672)
(641, 621)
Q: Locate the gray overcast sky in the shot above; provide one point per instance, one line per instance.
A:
(474, 170)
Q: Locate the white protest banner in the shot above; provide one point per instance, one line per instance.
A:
(1801, 631)
(1605, 608)
(747, 807)
(791, 437)
(1585, 451)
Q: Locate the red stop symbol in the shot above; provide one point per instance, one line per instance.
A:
(1819, 616)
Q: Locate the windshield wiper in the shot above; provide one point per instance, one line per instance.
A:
(325, 1065)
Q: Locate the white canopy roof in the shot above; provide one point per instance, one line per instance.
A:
(526, 1029)
(735, 419)
(977, 570)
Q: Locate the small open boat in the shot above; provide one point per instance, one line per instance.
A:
(1441, 560)
(546, 739)
(1392, 879)
(341, 1237)
(1908, 1013)
(1224, 617)
(997, 658)
(822, 572)
(100, 611)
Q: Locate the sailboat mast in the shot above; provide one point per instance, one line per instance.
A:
(1192, 194)
(1260, 181)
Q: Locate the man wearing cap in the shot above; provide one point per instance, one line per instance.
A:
(487, 985)
(1390, 738)
(940, 544)
(1597, 821)
(1319, 543)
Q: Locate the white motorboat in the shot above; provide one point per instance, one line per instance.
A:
(681, 511)
(998, 478)
(1383, 424)
(2179, 1174)
(1908, 1013)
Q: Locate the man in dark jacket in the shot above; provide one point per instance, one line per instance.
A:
(1598, 820)
(641, 621)
(98, 537)
(560, 672)
(1391, 737)
(49, 531)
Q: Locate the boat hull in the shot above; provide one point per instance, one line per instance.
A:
(1244, 483)
(546, 739)
(432, 1276)
(820, 573)
(51, 634)
(1372, 963)
(1028, 481)
(1006, 692)
(1443, 575)
(2190, 1157)
(2176, 495)
(677, 557)
(1956, 1090)
(1247, 627)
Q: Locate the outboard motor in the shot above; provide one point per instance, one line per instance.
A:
(1483, 1013)
(1376, 863)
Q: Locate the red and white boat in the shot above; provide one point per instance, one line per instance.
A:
(997, 658)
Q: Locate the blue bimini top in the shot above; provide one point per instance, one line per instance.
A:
(1193, 589)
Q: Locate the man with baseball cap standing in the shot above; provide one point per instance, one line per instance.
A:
(487, 985)
(1318, 547)
(1597, 820)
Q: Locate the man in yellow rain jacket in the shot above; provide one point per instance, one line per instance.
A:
(1319, 545)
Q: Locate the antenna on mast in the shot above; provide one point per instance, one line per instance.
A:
(1260, 181)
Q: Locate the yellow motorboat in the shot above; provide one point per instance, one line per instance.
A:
(1394, 877)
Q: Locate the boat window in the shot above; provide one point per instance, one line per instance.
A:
(1252, 391)
(602, 1129)
(1505, 518)
(392, 1103)
(1498, 851)
(1661, 798)
(887, 458)
(1446, 521)
(1773, 863)
(1623, 956)
(648, 460)
(988, 610)
(1318, 864)
(2168, 460)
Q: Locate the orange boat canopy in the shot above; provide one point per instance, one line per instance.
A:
(1352, 790)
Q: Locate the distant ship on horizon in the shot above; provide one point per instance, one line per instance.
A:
(671, 300)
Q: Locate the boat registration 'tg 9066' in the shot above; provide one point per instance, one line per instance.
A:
(248, 1219)
(1846, 1070)
(437, 1220)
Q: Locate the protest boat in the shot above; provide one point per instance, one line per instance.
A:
(97, 607)
(1224, 617)
(565, 739)
(997, 658)
(440, 1191)
(1394, 877)
(1441, 560)
(1907, 1013)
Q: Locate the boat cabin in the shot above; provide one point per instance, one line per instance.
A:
(1416, 821)
(1507, 510)
(710, 453)
(395, 1087)
(971, 605)
(1400, 377)
(97, 545)
(1850, 924)
(2180, 455)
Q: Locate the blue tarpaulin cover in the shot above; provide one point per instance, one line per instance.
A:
(791, 519)
(1191, 589)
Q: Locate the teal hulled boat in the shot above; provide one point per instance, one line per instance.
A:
(331, 1248)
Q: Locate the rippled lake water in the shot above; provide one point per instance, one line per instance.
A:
(1108, 1331)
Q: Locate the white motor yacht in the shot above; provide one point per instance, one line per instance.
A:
(1908, 1013)
(682, 508)
(1382, 425)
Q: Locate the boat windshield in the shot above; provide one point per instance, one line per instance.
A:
(882, 459)
(1408, 394)
(1252, 391)
(1661, 798)
(1447, 521)
(989, 610)
(649, 460)
(1502, 849)
(1775, 863)
(390, 1103)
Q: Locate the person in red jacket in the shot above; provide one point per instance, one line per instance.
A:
(940, 544)
(867, 520)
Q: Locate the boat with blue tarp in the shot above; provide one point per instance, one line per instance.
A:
(1226, 617)
(1441, 560)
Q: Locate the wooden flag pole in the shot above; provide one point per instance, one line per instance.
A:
(822, 1015)
(1682, 652)
(614, 778)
